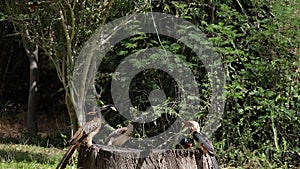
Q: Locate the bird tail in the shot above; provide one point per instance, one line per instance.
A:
(210, 162)
(63, 162)
(214, 162)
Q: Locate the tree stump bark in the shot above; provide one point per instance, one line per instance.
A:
(108, 157)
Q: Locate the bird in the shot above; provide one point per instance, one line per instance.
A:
(203, 143)
(84, 135)
(185, 143)
(120, 136)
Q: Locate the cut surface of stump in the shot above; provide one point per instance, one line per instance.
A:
(109, 157)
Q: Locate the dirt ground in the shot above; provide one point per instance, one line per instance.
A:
(13, 123)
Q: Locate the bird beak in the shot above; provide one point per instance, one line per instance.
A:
(108, 106)
(114, 108)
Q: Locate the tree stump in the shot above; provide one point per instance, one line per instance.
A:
(108, 157)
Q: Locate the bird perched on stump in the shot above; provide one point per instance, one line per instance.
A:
(185, 143)
(204, 144)
(121, 135)
(84, 135)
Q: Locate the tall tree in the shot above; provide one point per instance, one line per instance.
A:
(32, 51)
(58, 29)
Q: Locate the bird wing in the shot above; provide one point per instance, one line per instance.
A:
(91, 126)
(86, 130)
(208, 150)
(80, 135)
(83, 134)
(77, 136)
(90, 129)
(203, 142)
(115, 133)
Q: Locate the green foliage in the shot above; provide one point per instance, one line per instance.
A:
(259, 48)
(262, 81)
(258, 42)
(2, 16)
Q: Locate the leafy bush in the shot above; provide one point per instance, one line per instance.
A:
(258, 42)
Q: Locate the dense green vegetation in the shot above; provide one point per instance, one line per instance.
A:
(258, 42)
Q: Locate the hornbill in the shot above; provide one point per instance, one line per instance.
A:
(84, 134)
(185, 143)
(204, 144)
(121, 135)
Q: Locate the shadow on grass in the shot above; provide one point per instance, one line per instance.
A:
(23, 155)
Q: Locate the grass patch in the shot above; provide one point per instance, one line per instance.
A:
(20, 156)
(27, 156)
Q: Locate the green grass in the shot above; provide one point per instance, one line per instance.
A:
(17, 156)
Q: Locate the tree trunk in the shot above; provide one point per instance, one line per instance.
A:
(71, 112)
(33, 90)
(107, 157)
(31, 47)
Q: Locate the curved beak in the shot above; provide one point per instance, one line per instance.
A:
(108, 106)
(113, 108)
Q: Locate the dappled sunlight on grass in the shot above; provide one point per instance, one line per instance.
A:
(26, 156)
